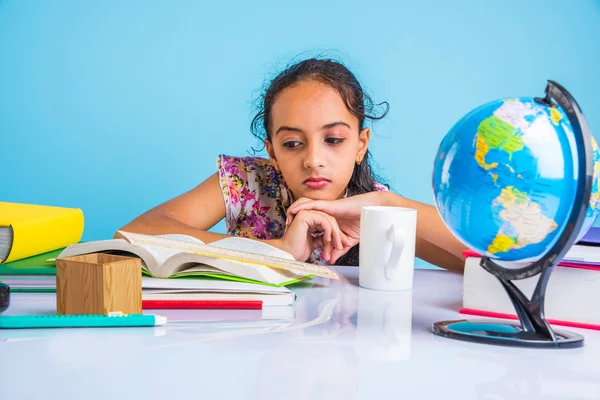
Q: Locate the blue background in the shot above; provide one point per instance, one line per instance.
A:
(115, 107)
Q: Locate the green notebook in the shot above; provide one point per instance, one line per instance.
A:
(36, 265)
(32, 290)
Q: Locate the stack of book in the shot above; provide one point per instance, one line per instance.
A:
(572, 295)
(32, 274)
(181, 267)
(31, 234)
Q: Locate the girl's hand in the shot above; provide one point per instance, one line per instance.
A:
(311, 230)
(346, 212)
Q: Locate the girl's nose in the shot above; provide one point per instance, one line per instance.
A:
(313, 158)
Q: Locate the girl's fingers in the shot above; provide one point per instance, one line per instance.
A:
(336, 254)
(337, 234)
(319, 242)
(322, 231)
(326, 234)
(348, 242)
(307, 204)
(290, 215)
(340, 251)
(327, 251)
(334, 237)
(326, 246)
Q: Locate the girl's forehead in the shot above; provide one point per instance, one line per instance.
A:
(310, 103)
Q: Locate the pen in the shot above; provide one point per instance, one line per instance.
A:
(202, 304)
(80, 321)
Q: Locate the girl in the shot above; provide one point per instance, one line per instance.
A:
(306, 198)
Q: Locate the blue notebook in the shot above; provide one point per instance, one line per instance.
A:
(591, 238)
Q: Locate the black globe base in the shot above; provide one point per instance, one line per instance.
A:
(505, 334)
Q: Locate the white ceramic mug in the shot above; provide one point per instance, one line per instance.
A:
(387, 247)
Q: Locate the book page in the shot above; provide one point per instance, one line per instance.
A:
(251, 246)
(152, 256)
(113, 246)
(288, 263)
(184, 262)
(172, 261)
(182, 237)
(190, 263)
(161, 254)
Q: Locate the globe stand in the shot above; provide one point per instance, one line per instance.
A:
(534, 330)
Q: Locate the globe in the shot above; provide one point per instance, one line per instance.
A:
(505, 177)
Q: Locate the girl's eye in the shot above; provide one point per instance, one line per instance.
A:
(292, 144)
(333, 140)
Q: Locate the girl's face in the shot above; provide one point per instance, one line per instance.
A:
(315, 140)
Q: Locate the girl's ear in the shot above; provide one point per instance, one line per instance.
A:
(363, 144)
(271, 153)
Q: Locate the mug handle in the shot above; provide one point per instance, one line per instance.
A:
(396, 236)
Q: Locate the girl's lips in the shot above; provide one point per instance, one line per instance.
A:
(318, 183)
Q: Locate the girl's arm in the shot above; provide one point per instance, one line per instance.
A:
(192, 213)
(198, 210)
(437, 256)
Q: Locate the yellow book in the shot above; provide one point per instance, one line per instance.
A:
(28, 229)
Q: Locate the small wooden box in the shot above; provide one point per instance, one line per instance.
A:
(98, 284)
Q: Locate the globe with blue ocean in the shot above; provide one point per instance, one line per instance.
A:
(505, 177)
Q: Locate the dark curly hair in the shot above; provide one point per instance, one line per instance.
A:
(334, 74)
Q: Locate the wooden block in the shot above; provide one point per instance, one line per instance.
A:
(98, 284)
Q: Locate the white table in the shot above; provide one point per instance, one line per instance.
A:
(339, 342)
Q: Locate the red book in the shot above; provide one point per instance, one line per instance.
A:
(202, 304)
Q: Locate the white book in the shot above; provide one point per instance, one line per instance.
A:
(582, 253)
(572, 294)
(201, 289)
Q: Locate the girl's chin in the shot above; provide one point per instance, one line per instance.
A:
(320, 195)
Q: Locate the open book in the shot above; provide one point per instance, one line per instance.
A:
(162, 259)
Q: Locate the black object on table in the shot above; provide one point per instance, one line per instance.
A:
(4, 296)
